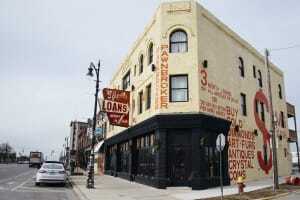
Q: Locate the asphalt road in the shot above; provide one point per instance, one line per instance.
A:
(17, 183)
(292, 196)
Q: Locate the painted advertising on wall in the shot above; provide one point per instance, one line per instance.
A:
(243, 151)
(162, 77)
(116, 105)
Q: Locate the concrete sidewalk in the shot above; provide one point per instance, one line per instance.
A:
(111, 188)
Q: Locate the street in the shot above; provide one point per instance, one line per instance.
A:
(17, 182)
(292, 196)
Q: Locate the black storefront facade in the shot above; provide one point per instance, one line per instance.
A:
(170, 150)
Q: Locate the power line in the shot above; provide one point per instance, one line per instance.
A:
(284, 48)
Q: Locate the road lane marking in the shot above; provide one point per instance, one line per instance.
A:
(15, 177)
(24, 189)
(23, 183)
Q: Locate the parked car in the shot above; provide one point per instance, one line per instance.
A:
(53, 161)
(51, 173)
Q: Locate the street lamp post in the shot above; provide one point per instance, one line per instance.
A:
(6, 153)
(67, 153)
(90, 180)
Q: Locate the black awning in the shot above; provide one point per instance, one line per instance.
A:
(172, 121)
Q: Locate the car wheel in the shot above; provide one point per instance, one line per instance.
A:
(37, 184)
(63, 184)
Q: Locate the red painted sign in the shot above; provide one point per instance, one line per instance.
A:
(265, 161)
(164, 77)
(116, 105)
(242, 142)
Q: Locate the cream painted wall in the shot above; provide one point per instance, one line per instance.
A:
(222, 48)
(210, 40)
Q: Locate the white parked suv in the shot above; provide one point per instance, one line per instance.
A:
(51, 172)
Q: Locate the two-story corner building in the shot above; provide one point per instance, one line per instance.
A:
(190, 78)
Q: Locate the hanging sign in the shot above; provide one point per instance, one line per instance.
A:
(116, 106)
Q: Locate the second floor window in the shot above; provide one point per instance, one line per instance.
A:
(241, 67)
(178, 42)
(243, 104)
(279, 91)
(179, 88)
(260, 79)
(126, 81)
(148, 91)
(256, 106)
(150, 54)
(254, 71)
(282, 119)
(262, 111)
(141, 64)
(134, 70)
(140, 102)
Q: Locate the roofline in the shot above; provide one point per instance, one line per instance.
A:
(208, 15)
(125, 60)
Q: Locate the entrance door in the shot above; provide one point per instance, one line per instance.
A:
(179, 158)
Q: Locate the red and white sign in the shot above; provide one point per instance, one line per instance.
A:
(116, 105)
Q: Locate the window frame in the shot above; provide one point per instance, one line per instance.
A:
(148, 100)
(126, 81)
(141, 64)
(241, 67)
(243, 103)
(183, 42)
(134, 70)
(256, 106)
(260, 82)
(254, 71)
(282, 119)
(140, 98)
(171, 89)
(150, 53)
(279, 91)
(262, 111)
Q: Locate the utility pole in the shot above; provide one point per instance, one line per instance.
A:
(274, 150)
(297, 146)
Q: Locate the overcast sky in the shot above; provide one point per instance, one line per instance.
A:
(46, 47)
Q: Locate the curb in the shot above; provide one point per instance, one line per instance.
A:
(77, 191)
(276, 196)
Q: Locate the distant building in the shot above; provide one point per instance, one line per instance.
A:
(99, 147)
(7, 153)
(78, 131)
(190, 78)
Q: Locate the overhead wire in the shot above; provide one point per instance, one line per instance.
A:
(284, 48)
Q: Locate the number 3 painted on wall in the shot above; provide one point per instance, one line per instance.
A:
(203, 77)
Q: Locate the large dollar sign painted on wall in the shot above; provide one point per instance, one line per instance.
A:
(265, 161)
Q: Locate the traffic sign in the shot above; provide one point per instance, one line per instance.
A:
(220, 142)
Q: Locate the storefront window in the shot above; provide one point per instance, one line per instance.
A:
(146, 156)
(124, 157)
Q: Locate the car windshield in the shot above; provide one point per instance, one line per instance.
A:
(53, 166)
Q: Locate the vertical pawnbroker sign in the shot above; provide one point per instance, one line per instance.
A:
(116, 106)
(164, 77)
